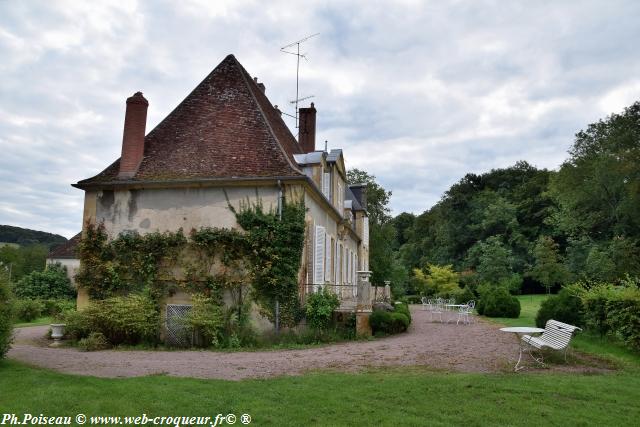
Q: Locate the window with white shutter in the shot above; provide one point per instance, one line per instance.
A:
(318, 260)
(326, 185)
(336, 263)
(365, 231)
(327, 259)
(344, 266)
(340, 196)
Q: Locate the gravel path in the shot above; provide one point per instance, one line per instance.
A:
(479, 347)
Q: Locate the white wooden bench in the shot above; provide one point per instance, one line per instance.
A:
(556, 336)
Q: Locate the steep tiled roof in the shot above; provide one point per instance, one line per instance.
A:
(226, 127)
(67, 249)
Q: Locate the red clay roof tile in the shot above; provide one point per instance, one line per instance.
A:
(226, 127)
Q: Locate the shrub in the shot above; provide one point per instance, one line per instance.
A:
(384, 322)
(96, 341)
(51, 283)
(623, 316)
(400, 307)
(380, 322)
(132, 319)
(399, 322)
(27, 310)
(6, 316)
(56, 307)
(319, 309)
(205, 321)
(595, 301)
(498, 302)
(78, 323)
(465, 295)
(565, 307)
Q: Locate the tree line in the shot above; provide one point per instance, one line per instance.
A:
(523, 227)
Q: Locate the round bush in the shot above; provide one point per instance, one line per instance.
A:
(500, 303)
(27, 310)
(94, 342)
(380, 322)
(6, 313)
(564, 307)
(51, 283)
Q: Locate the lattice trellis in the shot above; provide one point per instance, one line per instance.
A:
(176, 331)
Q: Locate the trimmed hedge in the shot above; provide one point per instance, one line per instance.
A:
(498, 302)
(385, 322)
(565, 307)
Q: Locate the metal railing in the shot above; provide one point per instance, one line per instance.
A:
(345, 292)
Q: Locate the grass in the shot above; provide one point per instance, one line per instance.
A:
(604, 347)
(392, 397)
(529, 305)
(36, 322)
(408, 396)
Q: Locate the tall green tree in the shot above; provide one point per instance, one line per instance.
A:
(377, 197)
(548, 268)
(598, 194)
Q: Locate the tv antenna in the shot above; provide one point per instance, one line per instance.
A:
(298, 55)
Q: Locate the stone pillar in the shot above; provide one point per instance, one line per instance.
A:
(363, 305)
(387, 290)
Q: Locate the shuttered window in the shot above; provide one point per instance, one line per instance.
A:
(318, 255)
(365, 231)
(327, 259)
(326, 185)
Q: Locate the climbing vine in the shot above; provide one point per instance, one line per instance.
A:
(264, 257)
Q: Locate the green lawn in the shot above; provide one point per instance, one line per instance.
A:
(37, 322)
(395, 397)
(529, 305)
(378, 397)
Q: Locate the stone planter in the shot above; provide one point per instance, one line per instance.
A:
(57, 332)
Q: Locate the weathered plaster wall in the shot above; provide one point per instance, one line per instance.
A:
(152, 210)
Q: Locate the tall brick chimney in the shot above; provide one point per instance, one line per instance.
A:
(307, 129)
(135, 122)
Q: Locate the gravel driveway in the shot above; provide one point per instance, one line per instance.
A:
(479, 347)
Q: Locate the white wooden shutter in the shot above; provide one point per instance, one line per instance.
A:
(326, 184)
(344, 266)
(318, 268)
(327, 259)
(339, 265)
(336, 263)
(365, 231)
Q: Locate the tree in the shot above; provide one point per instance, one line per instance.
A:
(377, 197)
(442, 280)
(548, 268)
(51, 283)
(493, 262)
(598, 195)
(381, 233)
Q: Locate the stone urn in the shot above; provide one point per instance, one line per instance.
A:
(57, 332)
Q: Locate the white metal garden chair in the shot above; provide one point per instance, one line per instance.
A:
(438, 308)
(465, 313)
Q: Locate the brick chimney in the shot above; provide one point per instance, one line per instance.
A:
(135, 122)
(307, 129)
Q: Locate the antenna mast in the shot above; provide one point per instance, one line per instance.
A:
(298, 56)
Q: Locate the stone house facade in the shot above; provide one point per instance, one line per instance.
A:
(225, 143)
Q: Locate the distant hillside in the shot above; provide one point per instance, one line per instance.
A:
(24, 236)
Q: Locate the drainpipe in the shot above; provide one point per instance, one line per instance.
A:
(280, 196)
(277, 313)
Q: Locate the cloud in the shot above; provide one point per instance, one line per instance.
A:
(417, 93)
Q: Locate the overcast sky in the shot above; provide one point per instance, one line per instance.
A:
(416, 93)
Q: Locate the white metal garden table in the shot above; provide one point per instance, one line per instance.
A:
(454, 306)
(519, 331)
